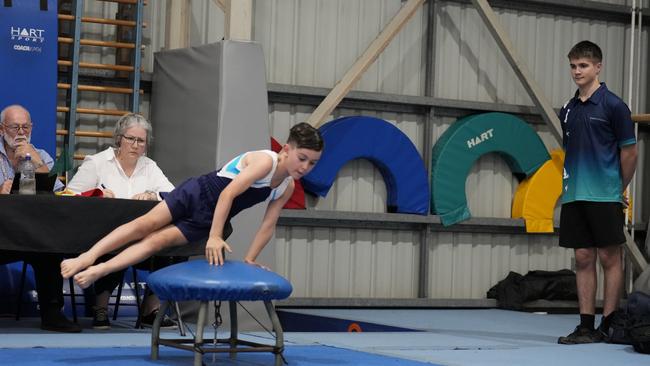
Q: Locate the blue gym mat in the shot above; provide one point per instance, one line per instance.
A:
(487, 337)
(295, 355)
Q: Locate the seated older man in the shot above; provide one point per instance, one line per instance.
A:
(16, 129)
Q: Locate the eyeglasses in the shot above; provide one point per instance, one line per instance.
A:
(134, 140)
(15, 128)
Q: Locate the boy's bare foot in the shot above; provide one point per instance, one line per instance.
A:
(86, 278)
(70, 267)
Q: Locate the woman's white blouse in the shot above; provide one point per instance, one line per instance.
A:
(103, 168)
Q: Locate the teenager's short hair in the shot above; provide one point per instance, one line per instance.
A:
(586, 49)
(304, 136)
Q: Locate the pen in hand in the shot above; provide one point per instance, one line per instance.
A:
(107, 192)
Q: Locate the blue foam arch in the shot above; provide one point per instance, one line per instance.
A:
(383, 144)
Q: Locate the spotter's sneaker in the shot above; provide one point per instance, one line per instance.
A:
(582, 335)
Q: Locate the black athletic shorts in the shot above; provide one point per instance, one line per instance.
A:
(585, 224)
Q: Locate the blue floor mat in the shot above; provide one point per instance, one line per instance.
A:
(297, 322)
(295, 355)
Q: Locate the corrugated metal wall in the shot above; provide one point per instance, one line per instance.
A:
(323, 262)
(466, 265)
(313, 42)
(470, 65)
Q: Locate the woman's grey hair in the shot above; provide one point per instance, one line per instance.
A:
(131, 120)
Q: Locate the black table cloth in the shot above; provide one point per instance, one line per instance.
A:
(71, 225)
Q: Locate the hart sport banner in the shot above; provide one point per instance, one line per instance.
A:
(28, 70)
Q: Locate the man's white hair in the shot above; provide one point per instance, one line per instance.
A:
(4, 112)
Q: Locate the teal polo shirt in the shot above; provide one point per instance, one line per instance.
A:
(594, 131)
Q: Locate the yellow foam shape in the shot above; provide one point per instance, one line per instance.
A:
(537, 195)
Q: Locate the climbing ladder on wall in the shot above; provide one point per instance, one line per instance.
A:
(73, 63)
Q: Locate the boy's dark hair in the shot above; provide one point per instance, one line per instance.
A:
(586, 49)
(304, 136)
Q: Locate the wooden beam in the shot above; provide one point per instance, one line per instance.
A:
(239, 19)
(641, 118)
(366, 59)
(177, 30)
(221, 4)
(505, 44)
(637, 258)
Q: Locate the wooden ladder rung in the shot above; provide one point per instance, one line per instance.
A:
(94, 42)
(89, 65)
(101, 89)
(641, 117)
(86, 133)
(119, 22)
(105, 112)
(124, 1)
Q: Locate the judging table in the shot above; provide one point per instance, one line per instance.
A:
(63, 224)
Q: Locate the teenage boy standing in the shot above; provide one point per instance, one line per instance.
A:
(601, 153)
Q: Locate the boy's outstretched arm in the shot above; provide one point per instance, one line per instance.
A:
(267, 227)
(257, 165)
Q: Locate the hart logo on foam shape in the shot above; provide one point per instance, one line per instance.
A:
(464, 142)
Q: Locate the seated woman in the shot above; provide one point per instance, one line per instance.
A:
(123, 172)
